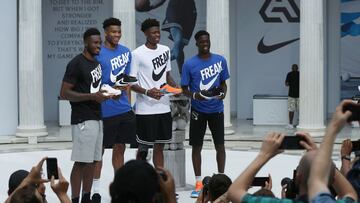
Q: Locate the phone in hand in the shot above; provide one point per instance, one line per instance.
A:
(259, 181)
(355, 145)
(52, 168)
(355, 111)
(292, 142)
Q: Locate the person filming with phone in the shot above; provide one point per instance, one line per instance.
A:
(238, 191)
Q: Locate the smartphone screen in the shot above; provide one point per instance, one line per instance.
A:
(259, 181)
(291, 142)
(52, 168)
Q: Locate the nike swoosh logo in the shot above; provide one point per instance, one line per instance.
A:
(157, 77)
(113, 77)
(264, 49)
(96, 88)
(209, 85)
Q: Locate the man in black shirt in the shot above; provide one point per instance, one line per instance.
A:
(292, 81)
(81, 86)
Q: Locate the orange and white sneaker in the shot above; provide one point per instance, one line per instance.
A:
(198, 187)
(167, 89)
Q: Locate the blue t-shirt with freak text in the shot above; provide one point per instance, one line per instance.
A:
(204, 74)
(113, 63)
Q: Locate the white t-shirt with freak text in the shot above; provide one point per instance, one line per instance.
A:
(150, 67)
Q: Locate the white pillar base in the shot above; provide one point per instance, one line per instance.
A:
(318, 131)
(31, 133)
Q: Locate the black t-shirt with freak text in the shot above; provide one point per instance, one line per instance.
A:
(85, 75)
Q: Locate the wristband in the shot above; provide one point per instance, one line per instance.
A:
(193, 96)
(346, 157)
(146, 91)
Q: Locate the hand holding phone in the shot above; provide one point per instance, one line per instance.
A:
(292, 143)
(52, 168)
(259, 181)
(355, 145)
(354, 108)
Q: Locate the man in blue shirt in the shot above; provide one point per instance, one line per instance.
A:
(117, 114)
(204, 81)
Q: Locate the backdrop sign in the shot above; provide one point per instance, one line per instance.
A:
(64, 22)
(268, 44)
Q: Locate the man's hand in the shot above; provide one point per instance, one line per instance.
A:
(100, 97)
(346, 148)
(60, 188)
(308, 143)
(268, 185)
(34, 176)
(197, 96)
(340, 117)
(270, 145)
(167, 186)
(154, 93)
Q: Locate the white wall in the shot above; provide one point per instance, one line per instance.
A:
(8, 68)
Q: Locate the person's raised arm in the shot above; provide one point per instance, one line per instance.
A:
(320, 169)
(68, 93)
(269, 148)
(345, 152)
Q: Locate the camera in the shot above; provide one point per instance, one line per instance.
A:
(291, 190)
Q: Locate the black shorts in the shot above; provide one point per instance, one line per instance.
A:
(119, 129)
(154, 128)
(181, 14)
(198, 123)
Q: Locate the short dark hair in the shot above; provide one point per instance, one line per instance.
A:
(148, 23)
(201, 33)
(218, 185)
(137, 182)
(89, 32)
(111, 21)
(25, 195)
(15, 179)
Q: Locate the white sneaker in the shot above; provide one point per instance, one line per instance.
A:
(289, 126)
(109, 90)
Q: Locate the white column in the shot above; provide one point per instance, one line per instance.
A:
(333, 55)
(125, 11)
(218, 27)
(311, 115)
(31, 103)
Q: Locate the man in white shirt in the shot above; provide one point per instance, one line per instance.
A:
(151, 66)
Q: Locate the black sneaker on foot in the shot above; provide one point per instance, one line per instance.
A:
(96, 198)
(75, 200)
(123, 80)
(86, 198)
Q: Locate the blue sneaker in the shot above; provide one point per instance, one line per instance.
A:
(195, 194)
(198, 187)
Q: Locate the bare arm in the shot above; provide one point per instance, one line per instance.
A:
(269, 148)
(346, 148)
(320, 169)
(169, 80)
(60, 188)
(34, 177)
(343, 187)
(68, 93)
(153, 93)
